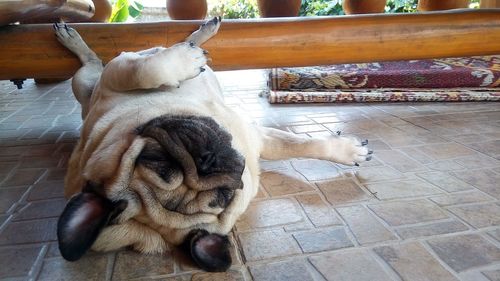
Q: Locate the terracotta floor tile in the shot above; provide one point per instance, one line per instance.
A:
(373, 174)
(491, 148)
(446, 181)
(307, 128)
(317, 211)
(495, 234)
(477, 161)
(402, 189)
(231, 275)
(435, 228)
(269, 213)
(21, 177)
(399, 140)
(267, 244)
(131, 264)
(324, 239)
(444, 165)
(87, 268)
(7, 167)
(483, 179)
(408, 212)
(9, 196)
(461, 198)
(365, 227)
(351, 265)
(290, 270)
(463, 252)
(399, 161)
(47, 190)
(493, 275)
(284, 182)
(17, 262)
(41, 209)
(479, 215)
(342, 191)
(413, 262)
(315, 170)
(378, 145)
(445, 151)
(23, 232)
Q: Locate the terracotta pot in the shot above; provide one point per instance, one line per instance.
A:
(363, 6)
(187, 9)
(486, 4)
(279, 8)
(102, 11)
(437, 5)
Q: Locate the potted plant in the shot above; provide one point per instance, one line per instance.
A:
(363, 6)
(187, 9)
(436, 5)
(103, 11)
(279, 8)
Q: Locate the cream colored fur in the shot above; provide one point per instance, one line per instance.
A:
(137, 87)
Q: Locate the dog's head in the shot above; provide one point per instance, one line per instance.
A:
(175, 176)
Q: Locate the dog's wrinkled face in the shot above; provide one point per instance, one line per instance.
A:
(195, 161)
(186, 172)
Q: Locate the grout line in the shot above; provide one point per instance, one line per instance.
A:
(429, 249)
(36, 269)
(385, 266)
(110, 265)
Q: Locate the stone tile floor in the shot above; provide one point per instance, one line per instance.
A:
(426, 208)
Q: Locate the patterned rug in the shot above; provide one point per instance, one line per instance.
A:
(471, 72)
(450, 79)
(385, 95)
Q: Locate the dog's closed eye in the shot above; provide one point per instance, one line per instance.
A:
(154, 158)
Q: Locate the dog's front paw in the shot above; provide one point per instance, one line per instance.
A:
(348, 150)
(190, 60)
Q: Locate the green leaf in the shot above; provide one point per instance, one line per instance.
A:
(133, 12)
(136, 6)
(120, 11)
(139, 5)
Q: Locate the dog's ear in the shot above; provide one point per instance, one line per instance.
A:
(83, 218)
(209, 251)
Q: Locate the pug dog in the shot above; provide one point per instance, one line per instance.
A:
(161, 160)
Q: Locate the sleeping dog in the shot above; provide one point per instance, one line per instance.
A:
(161, 160)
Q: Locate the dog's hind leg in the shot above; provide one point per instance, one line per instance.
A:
(205, 32)
(86, 77)
(157, 67)
(277, 144)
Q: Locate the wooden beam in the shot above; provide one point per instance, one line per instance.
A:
(488, 4)
(32, 51)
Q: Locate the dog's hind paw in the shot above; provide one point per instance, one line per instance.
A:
(189, 60)
(205, 32)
